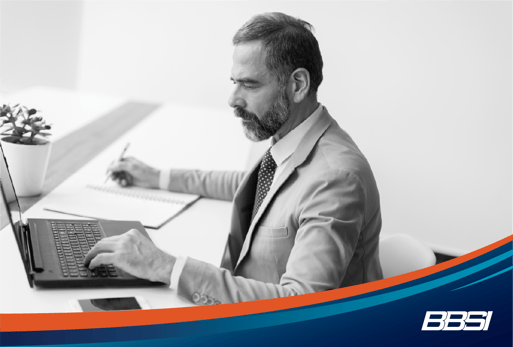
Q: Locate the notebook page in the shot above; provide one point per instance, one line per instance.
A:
(151, 207)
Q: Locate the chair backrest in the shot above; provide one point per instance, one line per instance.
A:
(401, 253)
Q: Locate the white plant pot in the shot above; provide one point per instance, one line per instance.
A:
(27, 165)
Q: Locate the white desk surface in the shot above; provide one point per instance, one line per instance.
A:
(175, 136)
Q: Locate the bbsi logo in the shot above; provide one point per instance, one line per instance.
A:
(457, 320)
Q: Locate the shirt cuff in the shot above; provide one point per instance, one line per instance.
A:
(164, 179)
(176, 272)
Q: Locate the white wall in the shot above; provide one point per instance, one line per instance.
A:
(424, 88)
(39, 43)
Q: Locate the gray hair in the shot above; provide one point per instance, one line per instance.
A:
(289, 44)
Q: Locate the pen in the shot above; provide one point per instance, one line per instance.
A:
(119, 159)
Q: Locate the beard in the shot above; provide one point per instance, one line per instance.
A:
(257, 129)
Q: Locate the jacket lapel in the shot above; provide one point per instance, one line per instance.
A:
(241, 217)
(302, 151)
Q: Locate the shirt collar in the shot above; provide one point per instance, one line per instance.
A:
(284, 148)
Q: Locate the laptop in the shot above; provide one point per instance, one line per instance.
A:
(53, 250)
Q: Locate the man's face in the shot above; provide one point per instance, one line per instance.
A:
(257, 98)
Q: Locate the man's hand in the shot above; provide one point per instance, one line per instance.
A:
(132, 172)
(134, 253)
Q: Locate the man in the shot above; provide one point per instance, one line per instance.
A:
(305, 219)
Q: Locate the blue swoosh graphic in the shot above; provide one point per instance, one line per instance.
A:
(486, 278)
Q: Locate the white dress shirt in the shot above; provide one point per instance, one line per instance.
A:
(281, 152)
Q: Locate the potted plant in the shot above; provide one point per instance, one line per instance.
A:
(25, 147)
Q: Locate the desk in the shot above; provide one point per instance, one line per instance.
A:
(81, 153)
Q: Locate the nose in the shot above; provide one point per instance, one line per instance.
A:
(236, 98)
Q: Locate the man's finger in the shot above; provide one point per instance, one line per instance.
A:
(103, 258)
(122, 178)
(120, 165)
(107, 245)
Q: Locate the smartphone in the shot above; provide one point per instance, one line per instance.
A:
(109, 304)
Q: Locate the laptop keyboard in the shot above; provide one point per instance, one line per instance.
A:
(73, 240)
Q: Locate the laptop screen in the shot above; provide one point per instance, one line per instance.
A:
(9, 193)
(10, 211)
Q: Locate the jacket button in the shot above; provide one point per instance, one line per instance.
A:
(196, 297)
(217, 302)
(203, 299)
(210, 301)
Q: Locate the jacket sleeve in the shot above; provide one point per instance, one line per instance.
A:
(220, 185)
(329, 217)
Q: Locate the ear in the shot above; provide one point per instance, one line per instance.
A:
(300, 81)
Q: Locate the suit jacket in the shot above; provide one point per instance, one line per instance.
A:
(317, 229)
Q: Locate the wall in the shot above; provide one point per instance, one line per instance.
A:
(424, 88)
(39, 43)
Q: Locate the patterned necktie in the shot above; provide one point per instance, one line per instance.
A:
(265, 180)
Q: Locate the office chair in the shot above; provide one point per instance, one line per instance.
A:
(401, 253)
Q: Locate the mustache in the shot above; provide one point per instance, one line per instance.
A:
(243, 114)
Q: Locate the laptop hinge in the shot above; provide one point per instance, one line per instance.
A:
(24, 250)
(36, 262)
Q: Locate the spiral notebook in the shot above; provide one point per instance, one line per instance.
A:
(151, 207)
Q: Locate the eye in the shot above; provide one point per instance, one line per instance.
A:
(249, 85)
